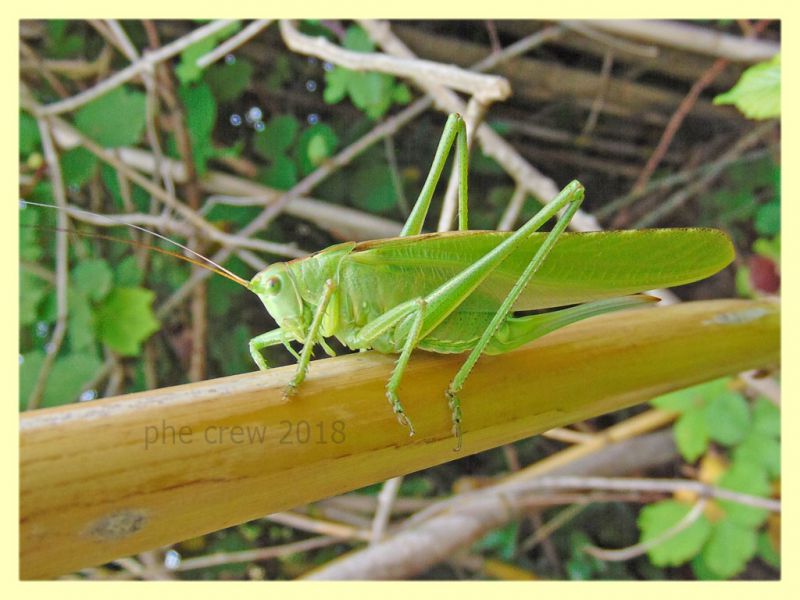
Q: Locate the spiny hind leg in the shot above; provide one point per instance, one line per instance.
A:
(570, 198)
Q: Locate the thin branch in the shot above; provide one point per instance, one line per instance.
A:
(708, 176)
(233, 42)
(692, 38)
(147, 62)
(246, 556)
(513, 209)
(611, 41)
(62, 266)
(386, 499)
(321, 526)
(487, 88)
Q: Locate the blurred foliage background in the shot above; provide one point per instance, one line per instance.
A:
(104, 317)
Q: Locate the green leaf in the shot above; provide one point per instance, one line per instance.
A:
(727, 418)
(125, 319)
(229, 80)
(401, 94)
(81, 322)
(29, 246)
(78, 166)
(64, 381)
(278, 136)
(357, 39)
(201, 110)
(373, 189)
(372, 92)
(68, 377)
(691, 398)
(657, 518)
(729, 548)
(281, 175)
(201, 115)
(32, 290)
(747, 478)
(114, 119)
(188, 71)
(139, 197)
(29, 367)
(93, 277)
(501, 541)
(767, 552)
(766, 418)
(768, 219)
(758, 92)
(127, 273)
(337, 82)
(691, 435)
(701, 570)
(316, 144)
(762, 450)
(29, 140)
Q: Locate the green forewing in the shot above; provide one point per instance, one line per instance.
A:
(581, 266)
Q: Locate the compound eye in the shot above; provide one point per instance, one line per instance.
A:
(273, 286)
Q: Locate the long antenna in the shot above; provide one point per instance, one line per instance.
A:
(219, 269)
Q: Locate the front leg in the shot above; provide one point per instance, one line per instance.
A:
(265, 340)
(312, 337)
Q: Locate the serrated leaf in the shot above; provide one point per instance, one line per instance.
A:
(760, 449)
(125, 319)
(659, 517)
(29, 139)
(701, 570)
(78, 166)
(758, 92)
(691, 434)
(729, 548)
(93, 277)
(727, 418)
(114, 119)
(357, 39)
(337, 81)
(229, 81)
(691, 398)
(747, 478)
(278, 136)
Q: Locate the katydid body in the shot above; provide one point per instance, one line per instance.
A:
(457, 291)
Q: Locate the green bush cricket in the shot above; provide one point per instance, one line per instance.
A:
(458, 291)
